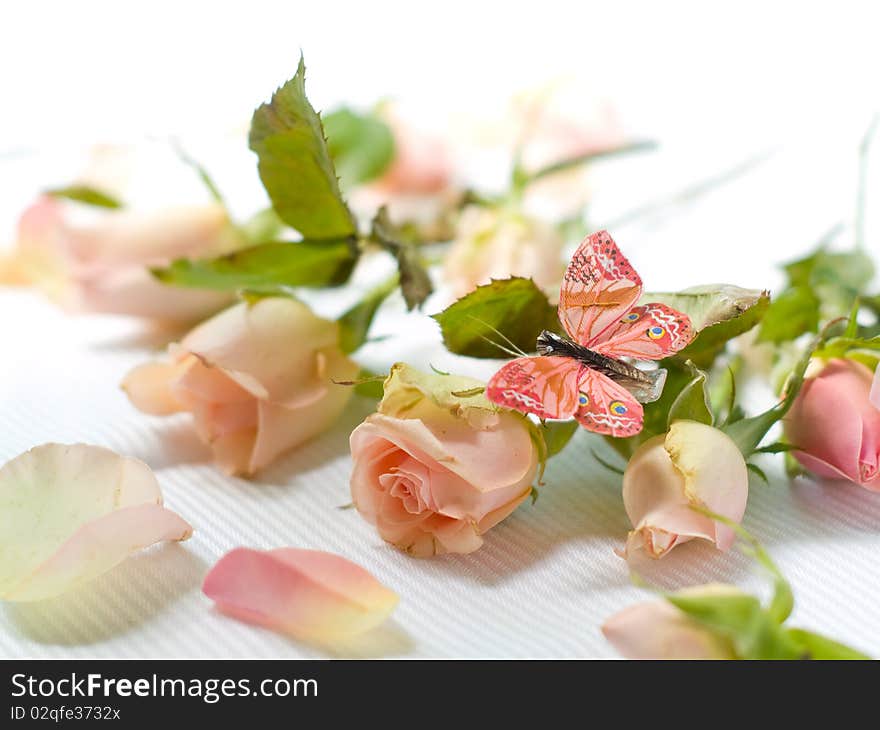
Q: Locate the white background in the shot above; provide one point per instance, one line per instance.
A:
(714, 84)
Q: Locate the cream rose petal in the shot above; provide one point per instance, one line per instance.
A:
(70, 513)
(309, 594)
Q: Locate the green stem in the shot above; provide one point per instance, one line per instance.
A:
(690, 193)
(523, 179)
(747, 433)
(355, 323)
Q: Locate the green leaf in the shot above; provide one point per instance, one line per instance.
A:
(776, 448)
(848, 270)
(739, 618)
(782, 601)
(821, 286)
(718, 312)
(557, 434)
(522, 178)
(355, 323)
(415, 283)
(307, 263)
(865, 350)
(794, 312)
(264, 226)
(819, 647)
(85, 194)
(361, 145)
(852, 325)
(202, 172)
(510, 312)
(295, 164)
(607, 464)
(755, 469)
(747, 433)
(692, 403)
(656, 414)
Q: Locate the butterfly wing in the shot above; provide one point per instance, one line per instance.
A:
(646, 332)
(606, 407)
(544, 386)
(599, 287)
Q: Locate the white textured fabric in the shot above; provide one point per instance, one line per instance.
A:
(547, 577)
(541, 586)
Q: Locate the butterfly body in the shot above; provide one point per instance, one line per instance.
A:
(645, 385)
(589, 377)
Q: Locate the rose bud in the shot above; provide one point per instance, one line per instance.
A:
(90, 260)
(257, 378)
(438, 465)
(659, 630)
(692, 465)
(835, 421)
(491, 244)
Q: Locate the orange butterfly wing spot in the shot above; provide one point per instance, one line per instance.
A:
(598, 287)
(607, 408)
(544, 386)
(647, 332)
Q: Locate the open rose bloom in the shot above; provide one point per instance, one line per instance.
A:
(434, 470)
(96, 260)
(257, 379)
(70, 513)
(835, 421)
(692, 465)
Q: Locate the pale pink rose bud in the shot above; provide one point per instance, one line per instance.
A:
(258, 379)
(692, 465)
(90, 260)
(659, 630)
(309, 594)
(835, 420)
(434, 470)
(493, 244)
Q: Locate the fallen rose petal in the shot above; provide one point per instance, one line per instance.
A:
(658, 630)
(310, 594)
(70, 513)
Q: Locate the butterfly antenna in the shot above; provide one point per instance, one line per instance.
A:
(517, 351)
(501, 347)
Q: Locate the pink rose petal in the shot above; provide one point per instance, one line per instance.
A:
(309, 594)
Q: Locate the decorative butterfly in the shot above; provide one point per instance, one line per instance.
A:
(586, 377)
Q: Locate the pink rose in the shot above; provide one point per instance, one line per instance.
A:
(493, 244)
(692, 465)
(257, 378)
(836, 421)
(439, 465)
(97, 260)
